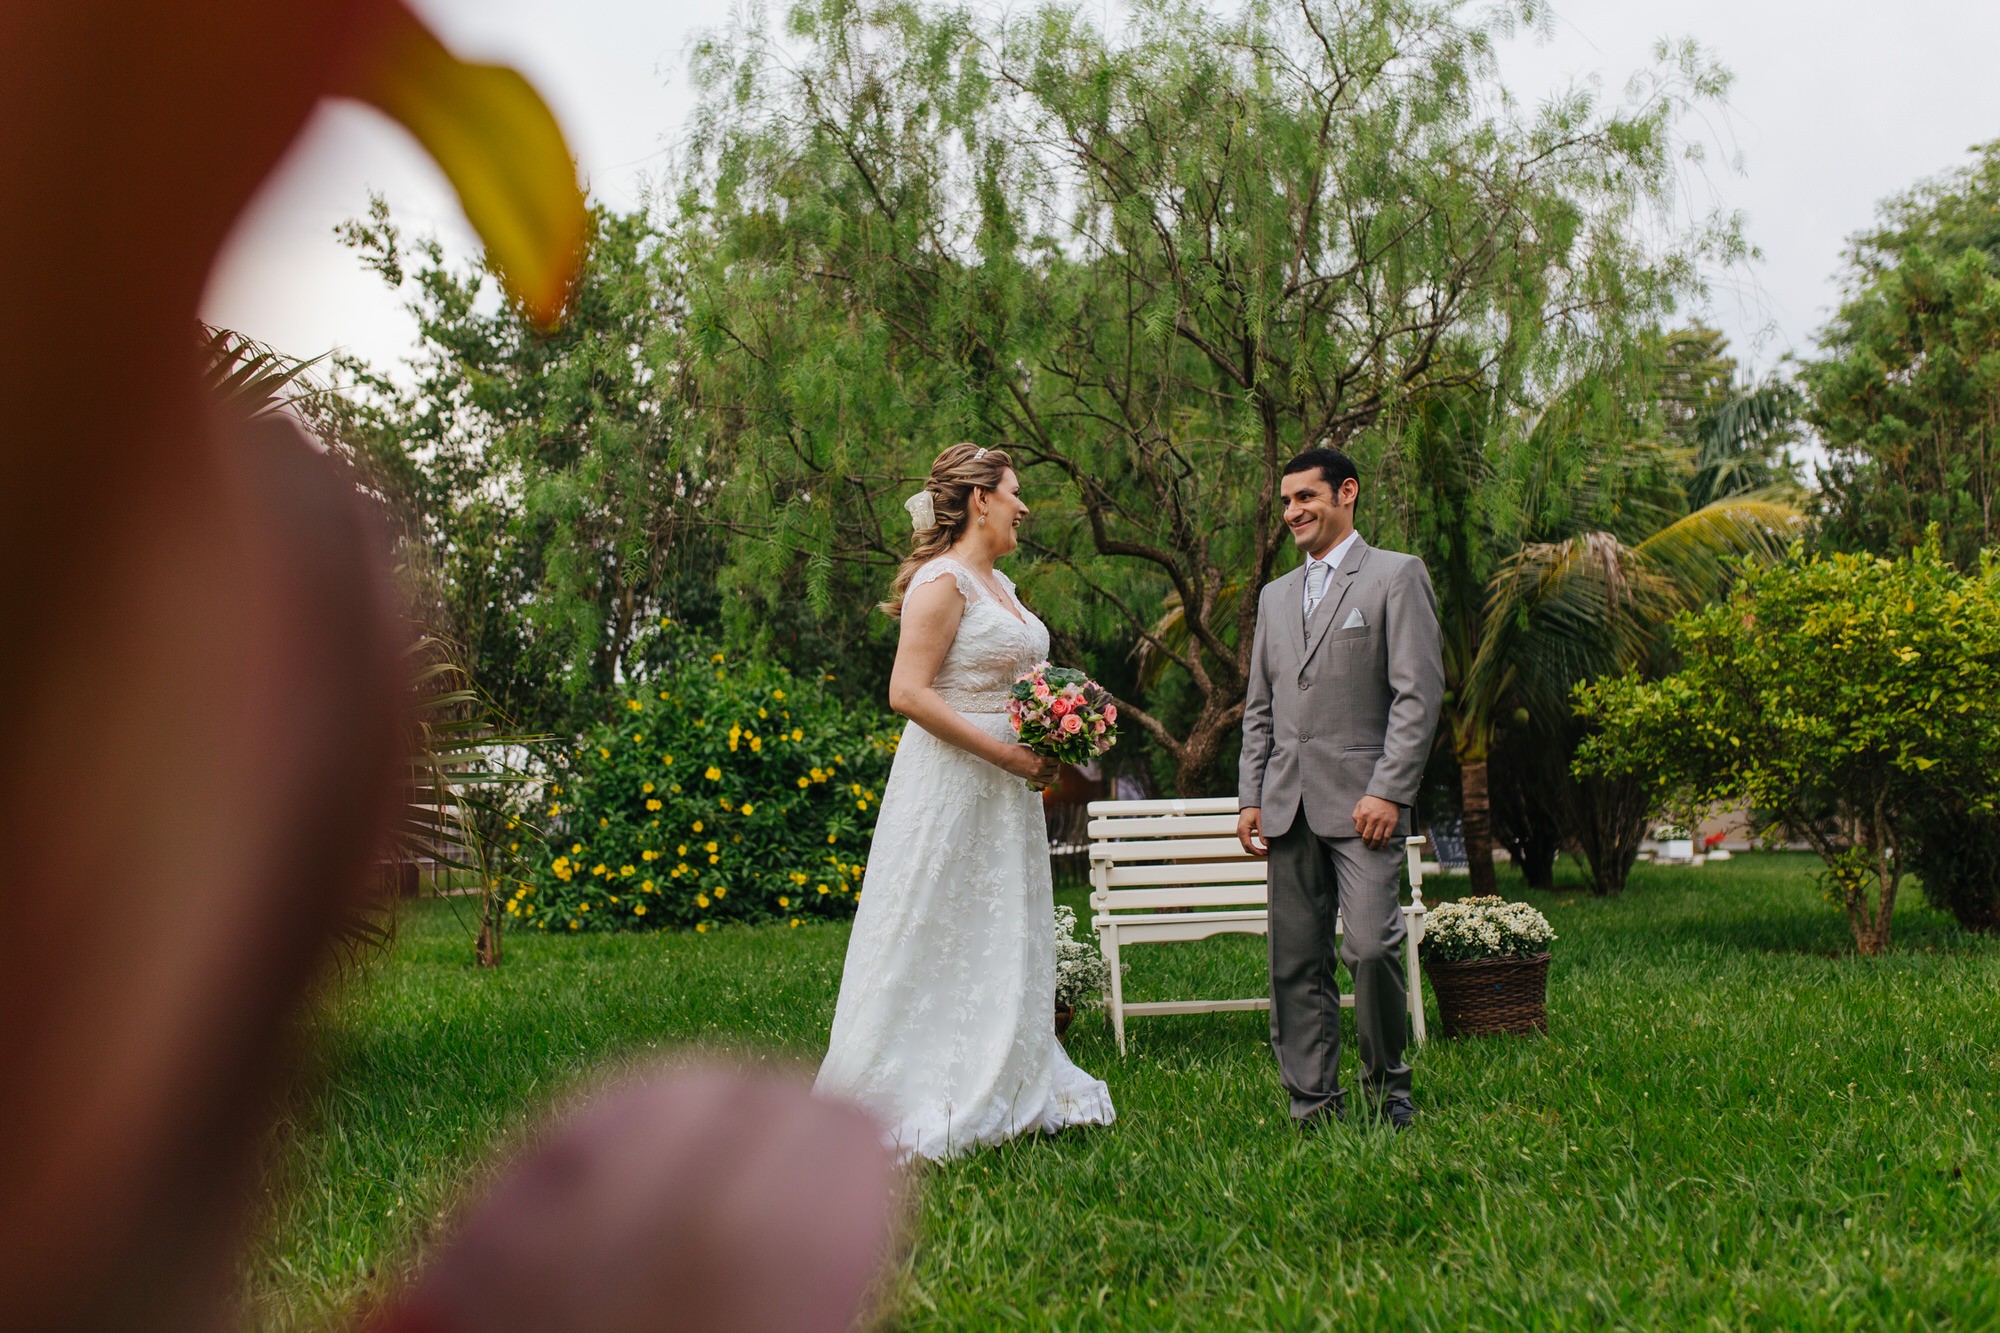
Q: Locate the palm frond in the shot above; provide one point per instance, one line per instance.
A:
(1701, 552)
(1171, 630)
(253, 377)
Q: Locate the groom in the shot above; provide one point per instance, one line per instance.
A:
(1346, 677)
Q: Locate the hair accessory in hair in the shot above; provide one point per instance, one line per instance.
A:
(923, 510)
(979, 453)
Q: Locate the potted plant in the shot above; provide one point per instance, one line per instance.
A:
(1676, 843)
(1081, 974)
(1487, 961)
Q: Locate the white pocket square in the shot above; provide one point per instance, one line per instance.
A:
(1355, 620)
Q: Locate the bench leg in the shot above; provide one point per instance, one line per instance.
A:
(1414, 975)
(1115, 984)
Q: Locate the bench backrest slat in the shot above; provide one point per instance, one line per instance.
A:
(1197, 805)
(1164, 826)
(1198, 849)
(1245, 871)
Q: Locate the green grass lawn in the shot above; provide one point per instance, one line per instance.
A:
(1733, 1122)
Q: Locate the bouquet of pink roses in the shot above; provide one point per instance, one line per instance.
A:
(1062, 713)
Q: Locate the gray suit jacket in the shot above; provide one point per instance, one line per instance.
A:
(1334, 714)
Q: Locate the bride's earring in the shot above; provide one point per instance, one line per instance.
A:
(982, 520)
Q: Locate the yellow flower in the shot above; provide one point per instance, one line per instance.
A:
(779, 695)
(634, 705)
(602, 822)
(713, 859)
(795, 923)
(625, 870)
(714, 774)
(723, 802)
(682, 850)
(861, 805)
(749, 809)
(720, 892)
(664, 622)
(804, 783)
(653, 803)
(557, 788)
(716, 658)
(603, 753)
(798, 877)
(668, 759)
(820, 888)
(638, 738)
(701, 927)
(555, 809)
(639, 910)
(701, 900)
(647, 885)
(761, 713)
(697, 826)
(648, 855)
(646, 788)
(572, 924)
(784, 902)
(663, 696)
(798, 734)
(708, 847)
(576, 849)
(598, 869)
(675, 789)
(832, 837)
(756, 744)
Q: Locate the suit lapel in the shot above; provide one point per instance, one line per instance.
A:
(1291, 595)
(1329, 605)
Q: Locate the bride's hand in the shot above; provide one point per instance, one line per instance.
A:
(1039, 770)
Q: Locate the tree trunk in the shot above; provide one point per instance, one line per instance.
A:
(486, 949)
(1610, 825)
(1194, 766)
(1478, 825)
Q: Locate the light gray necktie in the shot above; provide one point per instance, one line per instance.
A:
(1316, 574)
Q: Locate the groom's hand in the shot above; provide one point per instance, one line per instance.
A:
(1375, 820)
(1250, 831)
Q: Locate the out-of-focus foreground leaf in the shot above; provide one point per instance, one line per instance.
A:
(499, 145)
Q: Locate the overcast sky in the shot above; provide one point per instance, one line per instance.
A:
(1836, 104)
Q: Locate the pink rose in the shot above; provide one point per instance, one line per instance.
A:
(1016, 720)
(1111, 714)
(1071, 724)
(1042, 691)
(1061, 708)
(1100, 726)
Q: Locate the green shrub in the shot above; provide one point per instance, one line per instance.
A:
(1847, 694)
(720, 790)
(1956, 856)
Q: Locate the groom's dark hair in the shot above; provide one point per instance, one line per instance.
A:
(1333, 465)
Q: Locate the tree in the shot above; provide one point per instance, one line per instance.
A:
(1845, 693)
(1562, 541)
(540, 479)
(1906, 392)
(1155, 267)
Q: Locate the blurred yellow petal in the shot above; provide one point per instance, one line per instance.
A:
(499, 145)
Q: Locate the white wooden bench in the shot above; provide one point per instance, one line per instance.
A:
(1172, 870)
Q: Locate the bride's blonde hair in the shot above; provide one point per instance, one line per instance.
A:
(958, 472)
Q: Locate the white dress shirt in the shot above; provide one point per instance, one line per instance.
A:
(1332, 563)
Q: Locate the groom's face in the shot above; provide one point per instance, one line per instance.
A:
(1317, 513)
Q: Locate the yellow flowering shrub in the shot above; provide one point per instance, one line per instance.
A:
(789, 781)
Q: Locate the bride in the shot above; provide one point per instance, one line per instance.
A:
(945, 1023)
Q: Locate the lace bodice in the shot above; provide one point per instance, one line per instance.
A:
(992, 647)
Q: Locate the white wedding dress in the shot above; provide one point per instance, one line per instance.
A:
(945, 1024)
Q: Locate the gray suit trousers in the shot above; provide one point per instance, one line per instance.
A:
(1312, 880)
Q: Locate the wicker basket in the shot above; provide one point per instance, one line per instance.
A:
(1486, 995)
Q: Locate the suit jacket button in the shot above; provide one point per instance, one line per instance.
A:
(1305, 738)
